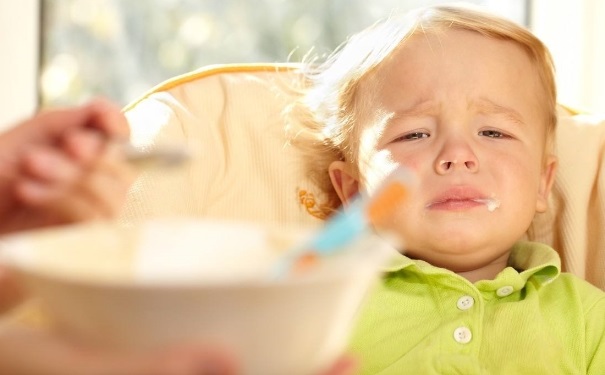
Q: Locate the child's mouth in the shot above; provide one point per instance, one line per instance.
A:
(455, 204)
(460, 199)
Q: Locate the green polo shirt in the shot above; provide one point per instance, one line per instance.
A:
(531, 319)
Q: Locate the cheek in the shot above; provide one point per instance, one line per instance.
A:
(383, 162)
(415, 166)
(376, 168)
(526, 163)
(416, 162)
(522, 178)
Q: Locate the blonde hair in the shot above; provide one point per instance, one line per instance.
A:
(331, 106)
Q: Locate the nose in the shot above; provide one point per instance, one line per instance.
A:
(456, 155)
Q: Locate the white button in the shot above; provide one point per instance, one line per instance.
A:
(465, 302)
(463, 335)
(504, 291)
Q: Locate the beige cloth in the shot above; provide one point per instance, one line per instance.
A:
(575, 222)
(243, 168)
(231, 118)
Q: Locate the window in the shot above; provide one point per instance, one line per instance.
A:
(120, 48)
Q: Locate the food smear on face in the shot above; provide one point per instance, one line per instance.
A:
(491, 203)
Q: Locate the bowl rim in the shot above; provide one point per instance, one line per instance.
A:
(163, 283)
(27, 274)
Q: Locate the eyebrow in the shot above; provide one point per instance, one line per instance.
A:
(482, 105)
(420, 108)
(487, 106)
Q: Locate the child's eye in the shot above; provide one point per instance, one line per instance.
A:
(412, 136)
(492, 134)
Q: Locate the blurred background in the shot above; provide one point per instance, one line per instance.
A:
(63, 52)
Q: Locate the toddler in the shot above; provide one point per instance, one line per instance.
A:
(467, 101)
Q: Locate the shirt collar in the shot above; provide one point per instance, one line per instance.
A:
(527, 260)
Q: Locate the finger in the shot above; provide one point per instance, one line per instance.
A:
(48, 125)
(46, 164)
(107, 183)
(108, 117)
(64, 203)
(195, 360)
(97, 191)
(343, 366)
(33, 192)
(84, 146)
(100, 192)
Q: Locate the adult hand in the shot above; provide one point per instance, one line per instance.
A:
(32, 352)
(58, 167)
(26, 351)
(344, 366)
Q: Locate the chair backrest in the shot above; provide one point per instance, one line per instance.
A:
(231, 116)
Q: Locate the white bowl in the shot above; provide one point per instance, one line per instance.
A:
(185, 280)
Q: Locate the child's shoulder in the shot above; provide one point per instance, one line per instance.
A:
(569, 286)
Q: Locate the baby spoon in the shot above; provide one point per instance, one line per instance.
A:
(348, 225)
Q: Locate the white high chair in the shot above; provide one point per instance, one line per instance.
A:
(231, 116)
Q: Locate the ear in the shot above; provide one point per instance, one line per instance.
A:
(343, 180)
(546, 180)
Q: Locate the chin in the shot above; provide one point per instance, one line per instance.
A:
(459, 262)
(457, 253)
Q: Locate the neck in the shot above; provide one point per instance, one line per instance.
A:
(488, 271)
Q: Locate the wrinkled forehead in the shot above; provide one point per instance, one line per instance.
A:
(516, 78)
(498, 65)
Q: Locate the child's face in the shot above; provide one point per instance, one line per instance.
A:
(463, 111)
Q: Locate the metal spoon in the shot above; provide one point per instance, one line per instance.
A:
(162, 156)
